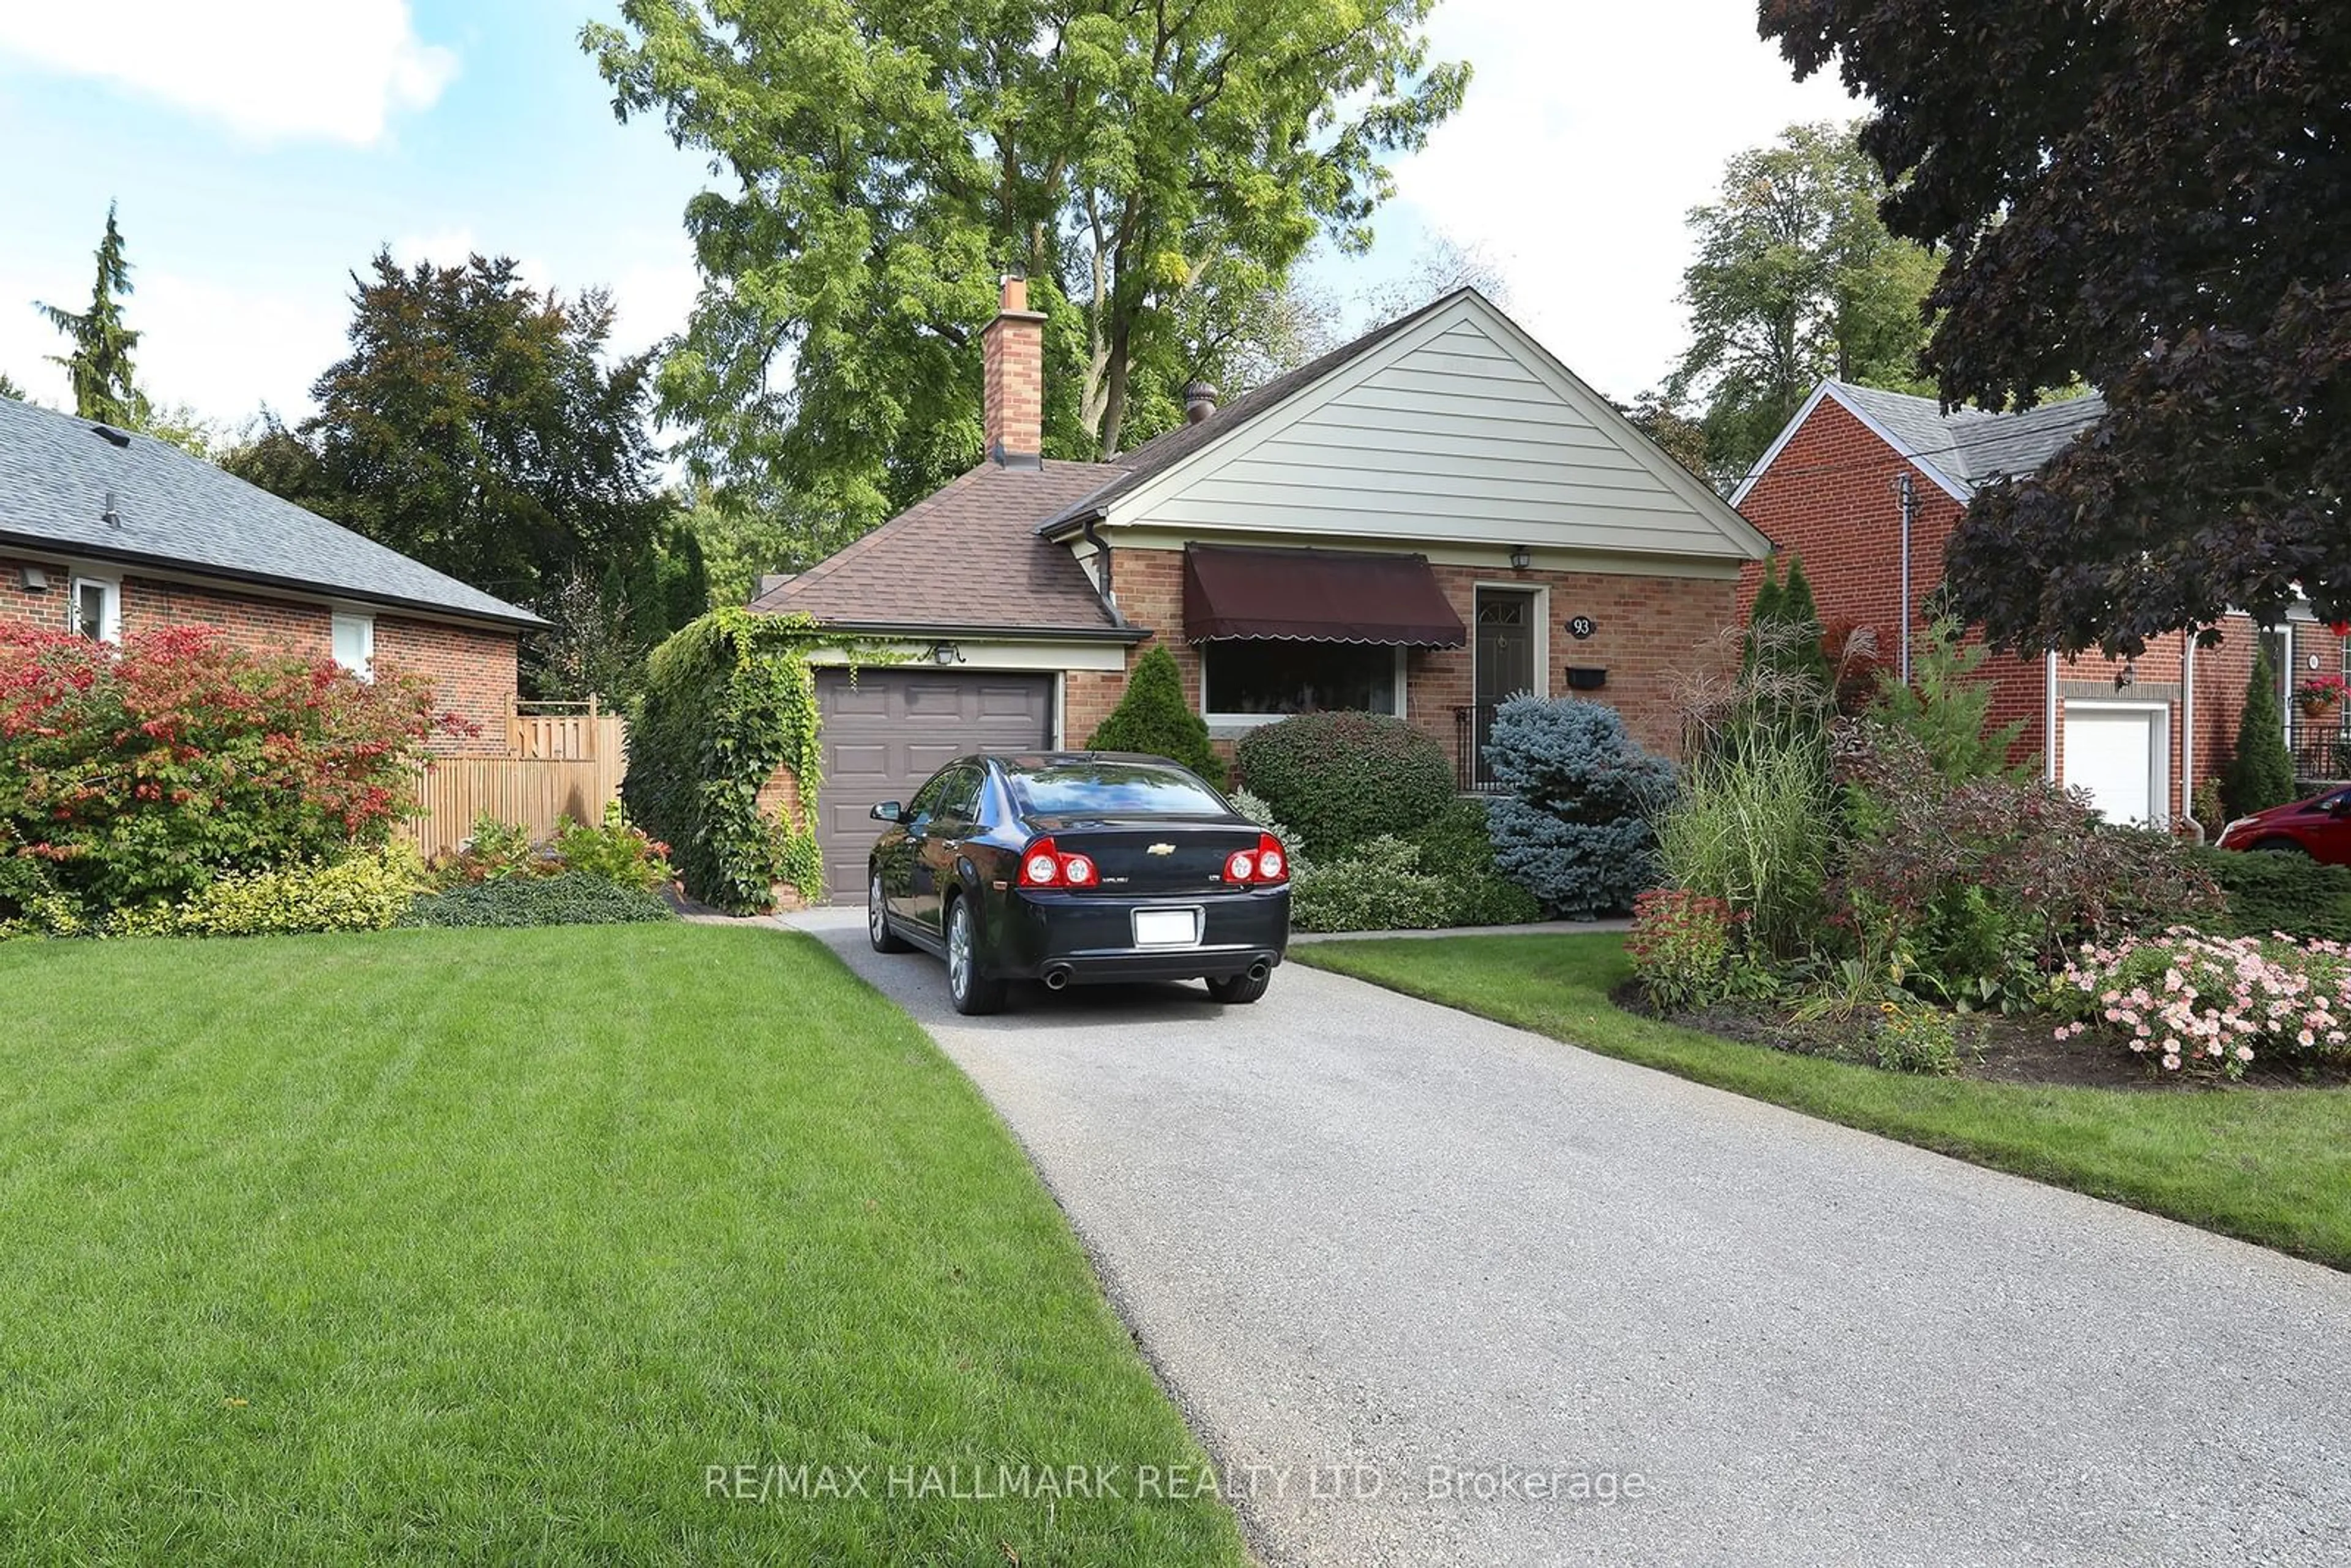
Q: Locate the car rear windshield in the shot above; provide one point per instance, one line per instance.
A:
(1112, 789)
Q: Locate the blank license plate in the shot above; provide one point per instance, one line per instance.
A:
(1166, 927)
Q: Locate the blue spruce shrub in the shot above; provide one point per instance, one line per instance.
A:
(1575, 829)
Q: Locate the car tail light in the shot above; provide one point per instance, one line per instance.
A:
(1042, 865)
(1266, 865)
(1272, 862)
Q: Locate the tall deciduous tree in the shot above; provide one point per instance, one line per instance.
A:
(2154, 199)
(98, 364)
(1796, 279)
(889, 159)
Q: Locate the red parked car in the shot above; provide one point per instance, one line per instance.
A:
(2319, 827)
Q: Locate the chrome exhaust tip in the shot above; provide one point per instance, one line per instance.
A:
(1260, 970)
(1056, 977)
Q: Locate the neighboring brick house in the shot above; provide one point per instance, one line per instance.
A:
(110, 534)
(2139, 735)
(1422, 522)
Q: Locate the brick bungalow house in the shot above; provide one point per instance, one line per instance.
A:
(1422, 522)
(110, 533)
(2138, 736)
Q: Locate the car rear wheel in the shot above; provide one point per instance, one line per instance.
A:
(1234, 990)
(2281, 847)
(877, 920)
(972, 992)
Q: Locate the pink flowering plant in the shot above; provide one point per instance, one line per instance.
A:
(2212, 1006)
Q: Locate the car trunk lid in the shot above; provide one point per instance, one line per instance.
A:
(1151, 856)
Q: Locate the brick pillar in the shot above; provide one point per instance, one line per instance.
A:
(1013, 348)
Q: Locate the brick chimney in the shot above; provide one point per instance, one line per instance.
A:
(1013, 347)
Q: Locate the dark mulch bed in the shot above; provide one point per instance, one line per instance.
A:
(1994, 1048)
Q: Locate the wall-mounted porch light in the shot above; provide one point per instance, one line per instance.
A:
(946, 653)
(1522, 557)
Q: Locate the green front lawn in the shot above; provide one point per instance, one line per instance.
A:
(2272, 1166)
(488, 1245)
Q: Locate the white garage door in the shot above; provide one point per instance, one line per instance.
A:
(2117, 755)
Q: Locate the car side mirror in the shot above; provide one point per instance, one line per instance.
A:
(888, 811)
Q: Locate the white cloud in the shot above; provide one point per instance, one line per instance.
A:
(1588, 133)
(651, 300)
(272, 69)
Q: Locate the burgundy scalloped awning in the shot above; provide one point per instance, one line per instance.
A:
(1315, 596)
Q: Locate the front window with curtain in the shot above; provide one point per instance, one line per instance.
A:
(1274, 677)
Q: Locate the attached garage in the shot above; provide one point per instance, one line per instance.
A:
(887, 731)
(2120, 753)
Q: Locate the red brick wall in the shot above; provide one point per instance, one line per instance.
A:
(473, 670)
(1828, 499)
(1652, 633)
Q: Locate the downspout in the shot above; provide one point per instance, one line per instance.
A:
(1102, 577)
(2187, 733)
(2049, 720)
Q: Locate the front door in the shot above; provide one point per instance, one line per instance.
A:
(1505, 658)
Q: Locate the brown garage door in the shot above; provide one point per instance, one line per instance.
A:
(891, 730)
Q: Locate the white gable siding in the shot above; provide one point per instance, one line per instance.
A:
(1458, 433)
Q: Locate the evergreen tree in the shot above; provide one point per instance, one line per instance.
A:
(1764, 612)
(1947, 707)
(688, 580)
(98, 365)
(1154, 718)
(2261, 774)
(1797, 611)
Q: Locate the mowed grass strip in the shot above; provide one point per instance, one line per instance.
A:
(2269, 1166)
(485, 1246)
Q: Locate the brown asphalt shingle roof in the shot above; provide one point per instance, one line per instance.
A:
(965, 556)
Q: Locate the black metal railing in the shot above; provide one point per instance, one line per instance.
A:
(1472, 722)
(2321, 746)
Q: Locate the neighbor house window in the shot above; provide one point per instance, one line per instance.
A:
(355, 644)
(1267, 678)
(97, 606)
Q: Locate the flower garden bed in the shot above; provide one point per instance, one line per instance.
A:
(1993, 1048)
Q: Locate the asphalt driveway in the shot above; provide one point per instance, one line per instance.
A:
(1375, 1246)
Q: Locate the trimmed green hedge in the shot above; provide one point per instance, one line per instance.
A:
(574, 898)
(1456, 846)
(1342, 778)
(728, 701)
(2274, 892)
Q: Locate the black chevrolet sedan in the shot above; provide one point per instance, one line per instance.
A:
(1069, 867)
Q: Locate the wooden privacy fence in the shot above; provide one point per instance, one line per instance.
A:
(565, 759)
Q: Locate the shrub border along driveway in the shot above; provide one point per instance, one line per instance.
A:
(2266, 1165)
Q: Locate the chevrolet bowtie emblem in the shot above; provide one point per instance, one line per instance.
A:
(1163, 849)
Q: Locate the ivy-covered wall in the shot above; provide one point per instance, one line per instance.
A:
(730, 701)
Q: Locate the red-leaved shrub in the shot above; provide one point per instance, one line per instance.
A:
(136, 775)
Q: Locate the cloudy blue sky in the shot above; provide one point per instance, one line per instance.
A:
(262, 149)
